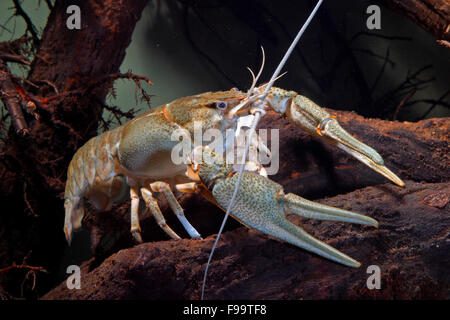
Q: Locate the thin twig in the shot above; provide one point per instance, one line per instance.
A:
(12, 100)
(23, 266)
(48, 82)
(402, 103)
(32, 270)
(115, 76)
(128, 75)
(7, 57)
(30, 26)
(411, 82)
(119, 114)
(444, 43)
(49, 4)
(380, 73)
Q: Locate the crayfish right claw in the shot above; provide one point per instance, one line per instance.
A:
(310, 209)
(326, 127)
(263, 205)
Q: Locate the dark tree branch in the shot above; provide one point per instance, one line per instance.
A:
(380, 73)
(381, 36)
(434, 104)
(119, 114)
(412, 81)
(31, 273)
(12, 100)
(402, 103)
(444, 43)
(30, 26)
(7, 57)
(431, 15)
(129, 75)
(49, 4)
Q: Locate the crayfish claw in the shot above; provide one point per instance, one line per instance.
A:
(310, 209)
(262, 204)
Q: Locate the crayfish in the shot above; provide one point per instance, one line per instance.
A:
(138, 155)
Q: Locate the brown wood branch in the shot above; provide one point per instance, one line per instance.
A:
(27, 202)
(23, 266)
(431, 15)
(8, 57)
(92, 52)
(128, 75)
(119, 114)
(49, 4)
(31, 273)
(115, 76)
(71, 60)
(444, 43)
(12, 100)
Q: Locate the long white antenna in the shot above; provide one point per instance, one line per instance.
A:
(258, 113)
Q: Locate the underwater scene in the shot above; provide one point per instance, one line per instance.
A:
(131, 131)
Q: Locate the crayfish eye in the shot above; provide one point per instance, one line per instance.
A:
(221, 105)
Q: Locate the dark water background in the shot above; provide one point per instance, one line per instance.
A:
(187, 47)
